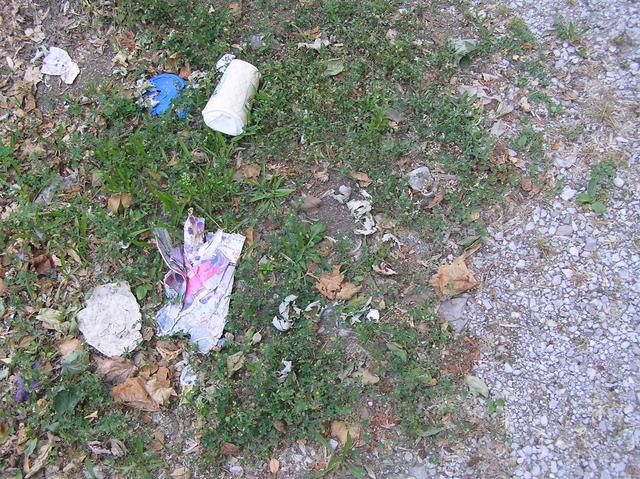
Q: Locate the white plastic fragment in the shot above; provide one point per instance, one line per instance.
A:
(223, 62)
(199, 283)
(111, 320)
(229, 105)
(367, 311)
(59, 63)
(284, 372)
(317, 44)
(391, 237)
(283, 322)
(343, 195)
(361, 212)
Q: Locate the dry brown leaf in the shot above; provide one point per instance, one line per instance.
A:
(280, 426)
(384, 269)
(453, 279)
(321, 176)
(42, 458)
(435, 201)
(367, 376)
(115, 370)
(132, 393)
(119, 202)
(159, 386)
(70, 345)
(168, 350)
(127, 40)
(524, 104)
(235, 9)
(229, 449)
(274, 466)
(329, 284)
(181, 473)
(249, 236)
(235, 362)
(340, 429)
(310, 203)
(250, 171)
(185, 71)
(347, 291)
(362, 178)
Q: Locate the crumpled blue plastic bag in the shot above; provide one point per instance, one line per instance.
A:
(168, 87)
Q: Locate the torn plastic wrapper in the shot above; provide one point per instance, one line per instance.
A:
(199, 283)
(57, 62)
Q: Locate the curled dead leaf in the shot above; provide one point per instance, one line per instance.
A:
(310, 203)
(366, 376)
(341, 430)
(159, 386)
(168, 350)
(362, 178)
(185, 71)
(347, 291)
(229, 449)
(250, 171)
(329, 284)
(435, 201)
(453, 279)
(132, 392)
(274, 466)
(384, 269)
(119, 202)
(115, 370)
(235, 362)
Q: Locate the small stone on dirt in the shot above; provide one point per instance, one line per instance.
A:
(452, 311)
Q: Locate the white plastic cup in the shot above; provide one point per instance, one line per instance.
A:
(229, 105)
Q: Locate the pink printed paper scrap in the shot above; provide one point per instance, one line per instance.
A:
(199, 282)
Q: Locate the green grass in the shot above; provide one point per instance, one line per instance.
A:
(169, 165)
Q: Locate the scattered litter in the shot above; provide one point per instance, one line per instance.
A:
(343, 195)
(367, 311)
(317, 44)
(199, 283)
(228, 107)
(223, 62)
(59, 63)
(455, 278)
(422, 181)
(165, 88)
(361, 212)
(284, 372)
(284, 320)
(111, 320)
